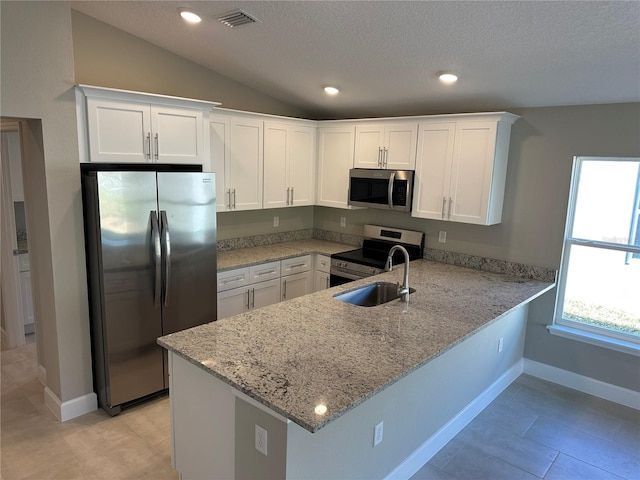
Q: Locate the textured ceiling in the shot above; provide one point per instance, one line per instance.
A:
(385, 55)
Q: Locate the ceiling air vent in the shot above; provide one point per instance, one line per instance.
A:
(237, 18)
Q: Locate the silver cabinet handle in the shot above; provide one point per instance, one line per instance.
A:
(392, 178)
(164, 226)
(450, 203)
(284, 289)
(248, 295)
(327, 281)
(234, 198)
(288, 195)
(229, 198)
(253, 298)
(147, 152)
(386, 157)
(266, 272)
(297, 265)
(157, 147)
(157, 258)
(379, 157)
(233, 280)
(291, 196)
(444, 202)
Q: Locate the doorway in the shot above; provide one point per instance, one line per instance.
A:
(16, 301)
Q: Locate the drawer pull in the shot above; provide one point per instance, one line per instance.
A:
(266, 273)
(232, 280)
(298, 265)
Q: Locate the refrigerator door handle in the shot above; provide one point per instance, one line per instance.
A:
(164, 224)
(157, 258)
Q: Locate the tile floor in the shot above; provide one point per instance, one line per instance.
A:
(534, 429)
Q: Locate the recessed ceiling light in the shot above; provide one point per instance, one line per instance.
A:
(331, 90)
(448, 78)
(189, 15)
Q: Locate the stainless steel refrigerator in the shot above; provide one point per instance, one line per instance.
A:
(150, 238)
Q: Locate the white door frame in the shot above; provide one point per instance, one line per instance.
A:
(10, 301)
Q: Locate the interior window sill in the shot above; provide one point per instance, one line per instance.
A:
(595, 339)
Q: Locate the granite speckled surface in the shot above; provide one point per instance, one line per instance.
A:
(244, 257)
(316, 350)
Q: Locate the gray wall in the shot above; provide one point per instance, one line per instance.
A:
(108, 57)
(37, 83)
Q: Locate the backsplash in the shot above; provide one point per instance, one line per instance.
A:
(460, 259)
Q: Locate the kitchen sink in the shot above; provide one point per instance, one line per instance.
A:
(371, 295)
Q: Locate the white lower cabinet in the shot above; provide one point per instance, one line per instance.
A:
(26, 296)
(321, 273)
(296, 285)
(247, 288)
(296, 277)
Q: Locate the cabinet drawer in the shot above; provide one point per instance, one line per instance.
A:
(296, 265)
(323, 263)
(233, 278)
(264, 271)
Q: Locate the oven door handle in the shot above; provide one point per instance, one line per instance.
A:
(392, 178)
(351, 276)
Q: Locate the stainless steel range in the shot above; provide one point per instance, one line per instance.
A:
(371, 258)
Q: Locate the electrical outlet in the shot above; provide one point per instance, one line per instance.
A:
(276, 221)
(261, 439)
(343, 221)
(377, 434)
(442, 237)
(500, 344)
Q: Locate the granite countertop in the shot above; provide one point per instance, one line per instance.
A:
(312, 350)
(244, 257)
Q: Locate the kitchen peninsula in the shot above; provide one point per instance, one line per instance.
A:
(318, 375)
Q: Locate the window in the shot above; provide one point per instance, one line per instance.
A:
(599, 282)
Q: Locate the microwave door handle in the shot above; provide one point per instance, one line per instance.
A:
(392, 178)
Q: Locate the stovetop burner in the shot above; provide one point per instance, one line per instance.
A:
(377, 243)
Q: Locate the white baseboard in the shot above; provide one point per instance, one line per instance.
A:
(428, 449)
(71, 408)
(614, 393)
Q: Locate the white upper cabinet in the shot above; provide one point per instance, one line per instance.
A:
(289, 165)
(236, 146)
(132, 127)
(335, 159)
(461, 168)
(389, 146)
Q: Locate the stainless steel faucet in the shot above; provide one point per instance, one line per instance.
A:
(403, 290)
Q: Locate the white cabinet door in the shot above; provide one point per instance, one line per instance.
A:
(369, 146)
(321, 281)
(400, 146)
(301, 165)
(472, 172)
(335, 159)
(232, 302)
(433, 170)
(265, 293)
(27, 301)
(119, 131)
(277, 138)
(288, 165)
(461, 170)
(246, 164)
(296, 285)
(391, 146)
(177, 136)
(220, 157)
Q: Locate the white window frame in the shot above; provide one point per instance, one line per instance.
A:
(574, 329)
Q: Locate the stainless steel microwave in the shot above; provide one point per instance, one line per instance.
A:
(385, 189)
